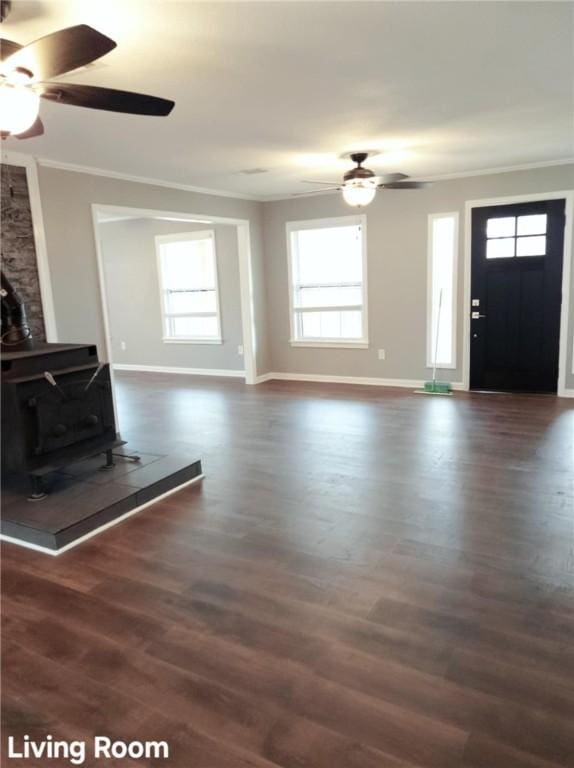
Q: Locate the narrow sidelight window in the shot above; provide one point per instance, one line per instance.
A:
(441, 295)
(327, 282)
(187, 270)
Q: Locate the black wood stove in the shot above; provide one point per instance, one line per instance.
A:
(57, 408)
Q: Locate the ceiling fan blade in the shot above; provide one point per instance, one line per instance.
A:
(107, 98)
(36, 129)
(315, 192)
(310, 181)
(390, 178)
(7, 48)
(407, 185)
(61, 52)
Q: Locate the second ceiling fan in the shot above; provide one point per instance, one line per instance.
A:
(25, 72)
(360, 184)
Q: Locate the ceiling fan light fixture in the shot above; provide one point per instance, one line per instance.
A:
(359, 193)
(19, 107)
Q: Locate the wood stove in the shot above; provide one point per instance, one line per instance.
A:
(57, 408)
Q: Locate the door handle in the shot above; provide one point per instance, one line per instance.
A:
(476, 315)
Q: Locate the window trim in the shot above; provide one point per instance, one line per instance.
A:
(432, 217)
(180, 237)
(336, 343)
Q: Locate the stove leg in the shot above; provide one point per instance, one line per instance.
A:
(38, 492)
(109, 460)
(127, 456)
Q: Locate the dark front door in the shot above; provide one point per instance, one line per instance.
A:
(516, 292)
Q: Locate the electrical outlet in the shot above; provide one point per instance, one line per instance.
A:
(123, 345)
(240, 349)
(381, 354)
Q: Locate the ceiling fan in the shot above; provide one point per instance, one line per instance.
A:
(360, 185)
(25, 72)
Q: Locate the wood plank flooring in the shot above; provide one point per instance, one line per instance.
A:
(366, 578)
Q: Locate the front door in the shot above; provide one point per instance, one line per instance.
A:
(516, 292)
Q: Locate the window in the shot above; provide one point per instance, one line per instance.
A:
(442, 273)
(327, 273)
(510, 236)
(188, 284)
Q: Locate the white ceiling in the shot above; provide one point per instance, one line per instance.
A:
(439, 87)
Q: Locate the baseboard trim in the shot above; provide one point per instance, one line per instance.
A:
(362, 380)
(263, 378)
(184, 371)
(566, 393)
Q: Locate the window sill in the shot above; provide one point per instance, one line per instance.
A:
(361, 344)
(168, 340)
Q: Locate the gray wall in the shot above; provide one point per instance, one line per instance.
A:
(67, 197)
(397, 250)
(397, 273)
(130, 267)
(18, 245)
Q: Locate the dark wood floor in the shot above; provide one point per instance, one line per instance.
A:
(366, 578)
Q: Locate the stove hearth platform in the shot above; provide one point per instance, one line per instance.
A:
(82, 499)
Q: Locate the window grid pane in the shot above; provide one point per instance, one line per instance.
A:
(189, 281)
(330, 325)
(326, 296)
(441, 331)
(534, 224)
(503, 248)
(187, 302)
(193, 327)
(531, 246)
(501, 227)
(327, 275)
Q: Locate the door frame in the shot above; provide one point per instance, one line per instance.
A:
(470, 205)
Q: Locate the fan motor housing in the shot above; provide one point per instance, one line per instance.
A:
(358, 173)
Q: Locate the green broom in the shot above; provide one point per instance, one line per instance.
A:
(435, 387)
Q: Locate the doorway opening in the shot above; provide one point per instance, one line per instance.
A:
(138, 301)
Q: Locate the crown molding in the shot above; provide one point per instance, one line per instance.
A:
(451, 176)
(503, 169)
(74, 168)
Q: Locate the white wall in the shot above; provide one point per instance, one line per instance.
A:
(397, 273)
(134, 311)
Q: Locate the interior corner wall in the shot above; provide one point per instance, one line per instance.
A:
(133, 297)
(67, 199)
(397, 273)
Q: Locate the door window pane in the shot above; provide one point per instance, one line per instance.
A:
(531, 246)
(502, 248)
(532, 225)
(501, 227)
